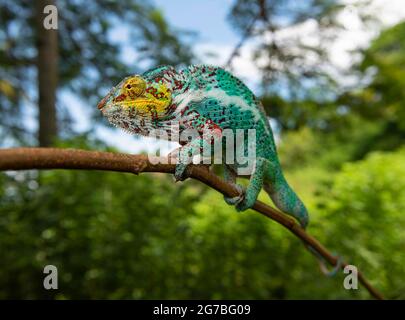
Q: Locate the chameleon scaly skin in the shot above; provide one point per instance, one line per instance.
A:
(208, 99)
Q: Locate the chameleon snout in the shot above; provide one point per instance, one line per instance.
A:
(103, 102)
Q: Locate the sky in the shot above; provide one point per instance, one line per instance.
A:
(215, 35)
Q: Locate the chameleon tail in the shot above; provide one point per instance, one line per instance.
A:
(284, 196)
(287, 201)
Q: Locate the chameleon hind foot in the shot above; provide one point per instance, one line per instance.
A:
(246, 198)
(245, 204)
(234, 201)
(241, 202)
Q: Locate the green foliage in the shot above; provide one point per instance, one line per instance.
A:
(350, 140)
(110, 234)
(118, 236)
(366, 202)
(386, 57)
(382, 100)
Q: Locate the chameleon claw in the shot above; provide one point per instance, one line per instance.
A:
(179, 178)
(180, 172)
(241, 202)
(235, 201)
(243, 205)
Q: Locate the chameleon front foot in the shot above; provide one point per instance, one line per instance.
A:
(180, 172)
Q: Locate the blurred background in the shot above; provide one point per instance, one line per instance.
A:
(331, 75)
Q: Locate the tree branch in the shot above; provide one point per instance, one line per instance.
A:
(235, 52)
(52, 158)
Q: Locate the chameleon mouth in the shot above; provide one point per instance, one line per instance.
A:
(140, 103)
(103, 102)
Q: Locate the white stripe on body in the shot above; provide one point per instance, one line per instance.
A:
(184, 99)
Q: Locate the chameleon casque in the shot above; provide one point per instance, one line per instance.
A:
(207, 99)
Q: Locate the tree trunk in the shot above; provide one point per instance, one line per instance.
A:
(47, 68)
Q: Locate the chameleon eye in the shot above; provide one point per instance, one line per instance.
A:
(134, 87)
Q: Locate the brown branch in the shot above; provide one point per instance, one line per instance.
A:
(51, 158)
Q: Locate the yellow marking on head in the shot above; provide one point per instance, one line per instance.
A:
(134, 87)
(149, 100)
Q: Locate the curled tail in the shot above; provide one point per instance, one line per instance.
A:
(284, 196)
(287, 201)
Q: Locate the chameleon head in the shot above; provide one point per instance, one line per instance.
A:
(135, 100)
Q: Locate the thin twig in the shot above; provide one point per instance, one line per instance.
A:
(52, 158)
(239, 45)
(262, 15)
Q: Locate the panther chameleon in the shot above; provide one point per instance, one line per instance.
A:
(207, 99)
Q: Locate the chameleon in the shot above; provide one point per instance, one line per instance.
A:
(208, 99)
